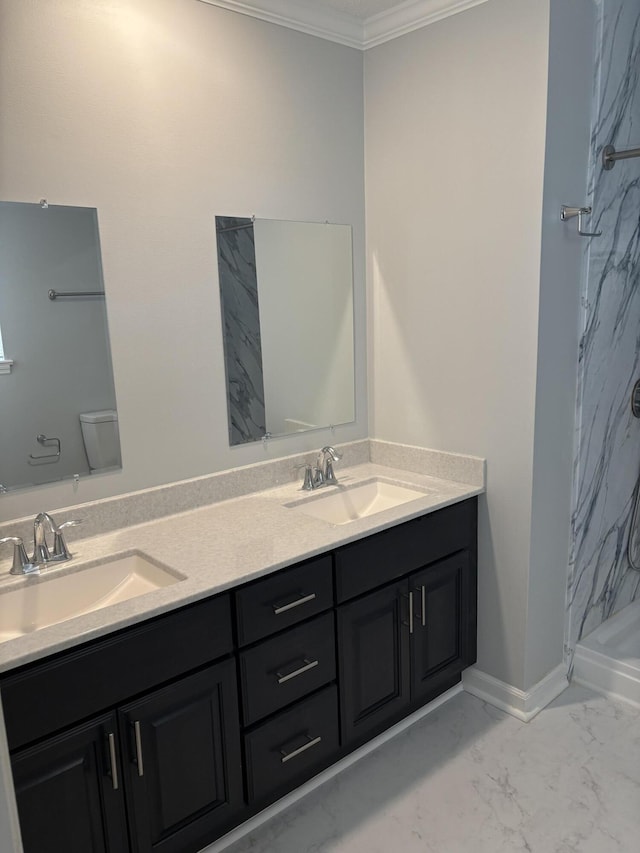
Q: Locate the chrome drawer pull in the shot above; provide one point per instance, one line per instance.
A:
(282, 608)
(136, 728)
(287, 756)
(408, 624)
(308, 664)
(112, 761)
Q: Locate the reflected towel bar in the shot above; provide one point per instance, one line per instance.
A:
(610, 156)
(57, 294)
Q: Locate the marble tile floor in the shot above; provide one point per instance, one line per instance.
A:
(471, 779)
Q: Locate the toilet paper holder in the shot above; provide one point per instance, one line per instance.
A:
(567, 212)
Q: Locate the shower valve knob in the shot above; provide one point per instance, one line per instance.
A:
(635, 400)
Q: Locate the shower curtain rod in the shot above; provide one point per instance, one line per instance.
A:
(59, 294)
(610, 156)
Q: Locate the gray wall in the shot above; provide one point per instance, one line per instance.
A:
(455, 130)
(162, 114)
(571, 62)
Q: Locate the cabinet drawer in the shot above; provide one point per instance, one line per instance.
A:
(293, 746)
(284, 599)
(49, 696)
(385, 556)
(285, 668)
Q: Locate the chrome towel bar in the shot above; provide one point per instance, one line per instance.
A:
(610, 156)
(59, 294)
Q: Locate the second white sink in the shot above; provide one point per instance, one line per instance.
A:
(349, 503)
(41, 601)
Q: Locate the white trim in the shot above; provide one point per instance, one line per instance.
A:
(5, 365)
(301, 15)
(410, 16)
(523, 704)
(308, 16)
(616, 679)
(292, 798)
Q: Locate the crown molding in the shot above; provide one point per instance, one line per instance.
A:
(312, 18)
(302, 15)
(406, 17)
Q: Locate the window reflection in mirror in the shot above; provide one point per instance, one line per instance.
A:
(286, 291)
(57, 404)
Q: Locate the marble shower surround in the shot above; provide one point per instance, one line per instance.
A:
(607, 457)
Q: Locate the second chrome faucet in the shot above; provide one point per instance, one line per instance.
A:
(322, 474)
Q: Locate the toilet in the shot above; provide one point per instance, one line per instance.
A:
(101, 439)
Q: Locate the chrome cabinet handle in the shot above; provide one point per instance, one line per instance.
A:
(408, 624)
(308, 664)
(287, 756)
(139, 761)
(423, 605)
(303, 599)
(113, 763)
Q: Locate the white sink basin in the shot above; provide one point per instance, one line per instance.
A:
(348, 503)
(43, 600)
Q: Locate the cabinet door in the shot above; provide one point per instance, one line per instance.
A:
(373, 661)
(441, 643)
(68, 791)
(184, 777)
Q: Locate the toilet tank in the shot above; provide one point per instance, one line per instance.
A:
(101, 438)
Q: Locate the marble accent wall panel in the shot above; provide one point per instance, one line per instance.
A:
(241, 328)
(607, 456)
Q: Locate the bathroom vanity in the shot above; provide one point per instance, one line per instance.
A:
(164, 735)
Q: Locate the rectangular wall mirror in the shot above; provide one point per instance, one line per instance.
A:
(57, 398)
(286, 292)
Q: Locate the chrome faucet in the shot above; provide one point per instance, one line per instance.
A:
(327, 456)
(41, 553)
(322, 474)
(42, 556)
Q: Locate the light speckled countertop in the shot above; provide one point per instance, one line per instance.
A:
(217, 547)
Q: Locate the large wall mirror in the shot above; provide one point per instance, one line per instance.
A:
(57, 399)
(286, 291)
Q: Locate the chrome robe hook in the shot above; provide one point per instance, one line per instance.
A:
(567, 212)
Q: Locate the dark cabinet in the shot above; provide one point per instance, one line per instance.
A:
(162, 737)
(443, 638)
(285, 668)
(292, 746)
(69, 793)
(174, 755)
(283, 599)
(83, 682)
(373, 656)
(183, 766)
(404, 644)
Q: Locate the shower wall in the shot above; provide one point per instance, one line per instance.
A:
(607, 454)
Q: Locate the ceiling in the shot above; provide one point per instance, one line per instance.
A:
(357, 23)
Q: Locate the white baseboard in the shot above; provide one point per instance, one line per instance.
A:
(523, 704)
(616, 679)
(286, 802)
